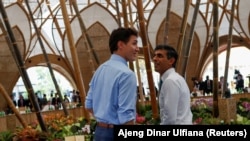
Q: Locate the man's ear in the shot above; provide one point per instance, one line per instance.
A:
(172, 60)
(120, 44)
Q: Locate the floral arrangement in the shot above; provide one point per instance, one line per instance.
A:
(58, 127)
(31, 132)
(243, 107)
(202, 110)
(144, 116)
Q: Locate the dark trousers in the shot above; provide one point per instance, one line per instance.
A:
(104, 134)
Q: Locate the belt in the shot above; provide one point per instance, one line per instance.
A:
(105, 125)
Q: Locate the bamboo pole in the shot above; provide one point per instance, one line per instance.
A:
(118, 13)
(54, 19)
(182, 33)
(5, 94)
(136, 61)
(12, 106)
(126, 24)
(147, 59)
(190, 40)
(74, 55)
(215, 58)
(131, 65)
(168, 12)
(229, 44)
(139, 82)
(86, 37)
(124, 12)
(18, 59)
(38, 33)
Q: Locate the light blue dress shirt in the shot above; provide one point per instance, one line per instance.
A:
(112, 92)
(174, 99)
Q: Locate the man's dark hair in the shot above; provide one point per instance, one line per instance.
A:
(171, 52)
(120, 34)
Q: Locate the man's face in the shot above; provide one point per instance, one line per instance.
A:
(130, 49)
(161, 62)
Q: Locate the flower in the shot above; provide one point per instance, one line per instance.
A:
(202, 110)
(145, 116)
(28, 133)
(140, 119)
(243, 107)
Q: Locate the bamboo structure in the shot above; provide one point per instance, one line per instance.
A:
(140, 83)
(78, 75)
(180, 42)
(147, 59)
(86, 38)
(55, 20)
(118, 13)
(215, 58)
(3, 91)
(47, 59)
(12, 106)
(229, 43)
(131, 65)
(168, 11)
(190, 39)
(124, 12)
(18, 59)
(125, 18)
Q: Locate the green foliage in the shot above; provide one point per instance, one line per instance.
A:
(58, 127)
(202, 113)
(243, 107)
(145, 111)
(6, 136)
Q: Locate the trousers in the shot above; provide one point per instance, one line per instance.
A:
(104, 134)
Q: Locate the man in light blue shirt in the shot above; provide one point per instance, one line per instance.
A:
(112, 93)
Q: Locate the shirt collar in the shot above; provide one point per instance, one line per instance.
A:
(118, 58)
(167, 73)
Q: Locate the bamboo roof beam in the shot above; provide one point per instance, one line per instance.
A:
(38, 33)
(86, 38)
(180, 42)
(188, 46)
(10, 38)
(78, 75)
(168, 12)
(3, 91)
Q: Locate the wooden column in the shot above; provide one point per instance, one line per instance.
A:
(215, 58)
(147, 59)
(78, 75)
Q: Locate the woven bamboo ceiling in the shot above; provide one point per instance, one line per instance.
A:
(74, 33)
